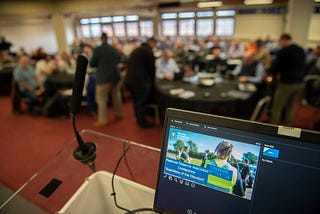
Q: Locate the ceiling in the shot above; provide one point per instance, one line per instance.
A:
(11, 9)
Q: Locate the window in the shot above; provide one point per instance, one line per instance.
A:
(205, 13)
(84, 21)
(186, 15)
(107, 29)
(146, 28)
(226, 13)
(119, 26)
(169, 28)
(95, 30)
(94, 20)
(119, 29)
(132, 29)
(118, 19)
(275, 10)
(85, 31)
(169, 15)
(205, 27)
(132, 18)
(200, 23)
(186, 27)
(106, 19)
(224, 27)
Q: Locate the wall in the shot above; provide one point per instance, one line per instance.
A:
(30, 35)
(33, 33)
(258, 25)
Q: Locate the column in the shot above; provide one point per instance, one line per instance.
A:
(60, 31)
(298, 20)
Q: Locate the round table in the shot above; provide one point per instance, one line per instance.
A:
(224, 94)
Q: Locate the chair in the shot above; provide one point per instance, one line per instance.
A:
(17, 98)
(261, 108)
(312, 95)
(155, 108)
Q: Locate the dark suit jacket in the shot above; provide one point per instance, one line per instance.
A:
(141, 67)
(106, 59)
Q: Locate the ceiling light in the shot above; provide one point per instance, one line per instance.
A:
(255, 2)
(209, 4)
(317, 1)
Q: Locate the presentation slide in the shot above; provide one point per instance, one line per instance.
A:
(221, 164)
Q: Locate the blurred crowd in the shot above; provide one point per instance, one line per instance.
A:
(115, 63)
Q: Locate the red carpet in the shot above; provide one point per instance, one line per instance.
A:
(28, 143)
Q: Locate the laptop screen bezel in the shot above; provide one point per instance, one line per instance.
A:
(233, 123)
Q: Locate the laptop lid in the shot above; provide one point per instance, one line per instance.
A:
(213, 164)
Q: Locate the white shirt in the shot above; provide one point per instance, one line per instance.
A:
(40, 66)
(163, 68)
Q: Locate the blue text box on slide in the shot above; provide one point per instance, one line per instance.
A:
(186, 171)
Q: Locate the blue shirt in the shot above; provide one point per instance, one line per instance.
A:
(26, 75)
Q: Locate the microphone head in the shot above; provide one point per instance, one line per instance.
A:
(78, 83)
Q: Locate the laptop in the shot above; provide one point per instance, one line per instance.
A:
(213, 164)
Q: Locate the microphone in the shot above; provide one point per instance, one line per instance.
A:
(78, 83)
(85, 152)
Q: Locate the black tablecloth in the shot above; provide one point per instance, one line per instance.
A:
(206, 99)
(60, 80)
(6, 75)
(57, 105)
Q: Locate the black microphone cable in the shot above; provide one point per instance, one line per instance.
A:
(127, 164)
(126, 149)
(112, 180)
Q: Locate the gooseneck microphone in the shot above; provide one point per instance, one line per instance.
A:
(85, 152)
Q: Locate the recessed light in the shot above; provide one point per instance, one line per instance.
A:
(256, 2)
(209, 4)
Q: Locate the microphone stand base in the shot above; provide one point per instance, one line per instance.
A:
(87, 157)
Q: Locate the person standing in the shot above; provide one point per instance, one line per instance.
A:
(184, 157)
(5, 45)
(106, 59)
(219, 167)
(140, 79)
(290, 66)
(245, 172)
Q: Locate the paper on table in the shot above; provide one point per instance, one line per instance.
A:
(247, 87)
(176, 91)
(187, 94)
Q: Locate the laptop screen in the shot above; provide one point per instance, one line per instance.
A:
(212, 164)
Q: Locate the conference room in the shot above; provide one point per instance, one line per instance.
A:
(88, 83)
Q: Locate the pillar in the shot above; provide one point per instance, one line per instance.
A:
(298, 20)
(60, 31)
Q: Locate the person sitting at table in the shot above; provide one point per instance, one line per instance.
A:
(67, 63)
(249, 70)
(262, 55)
(251, 46)
(6, 60)
(179, 53)
(217, 64)
(30, 84)
(166, 66)
(236, 50)
(45, 67)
